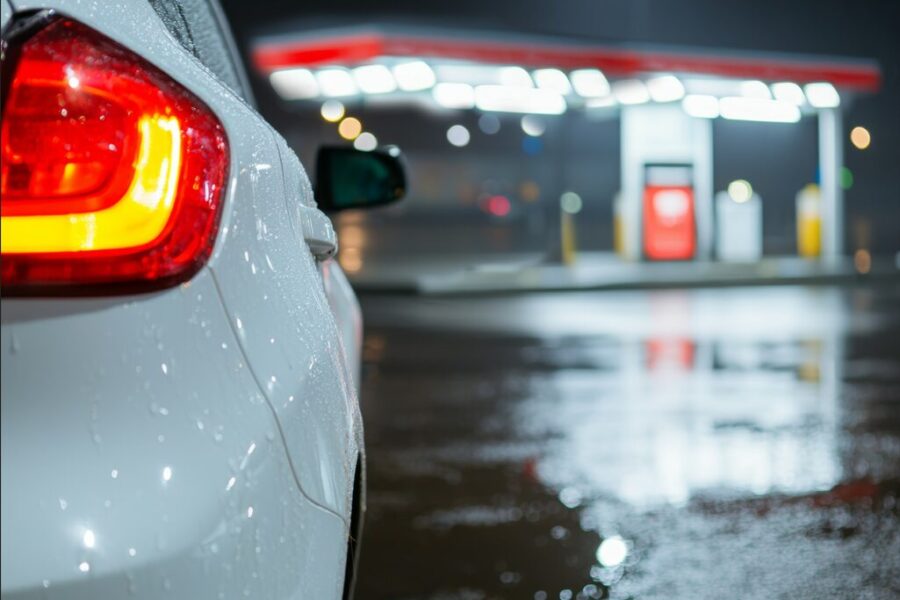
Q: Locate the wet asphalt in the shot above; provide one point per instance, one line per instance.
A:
(707, 443)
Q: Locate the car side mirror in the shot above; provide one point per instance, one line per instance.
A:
(350, 178)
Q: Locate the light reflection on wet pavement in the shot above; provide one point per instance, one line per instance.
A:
(667, 444)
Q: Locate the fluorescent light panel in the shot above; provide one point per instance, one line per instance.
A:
(414, 76)
(501, 98)
(755, 89)
(787, 91)
(757, 109)
(454, 95)
(589, 83)
(553, 80)
(630, 91)
(822, 95)
(294, 84)
(374, 79)
(701, 106)
(336, 82)
(665, 88)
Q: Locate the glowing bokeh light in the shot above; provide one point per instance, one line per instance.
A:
(740, 190)
(570, 202)
(533, 126)
(612, 551)
(350, 128)
(332, 111)
(458, 135)
(499, 206)
(365, 142)
(489, 124)
(860, 137)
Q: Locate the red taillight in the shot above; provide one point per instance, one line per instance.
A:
(112, 173)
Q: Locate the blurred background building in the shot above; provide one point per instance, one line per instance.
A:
(598, 133)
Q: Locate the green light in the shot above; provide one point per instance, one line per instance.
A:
(846, 178)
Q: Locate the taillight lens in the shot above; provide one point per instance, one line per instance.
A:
(112, 173)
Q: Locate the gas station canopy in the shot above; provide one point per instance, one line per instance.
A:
(666, 99)
(355, 46)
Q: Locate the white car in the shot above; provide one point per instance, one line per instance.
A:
(179, 353)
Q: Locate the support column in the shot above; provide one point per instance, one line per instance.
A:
(831, 159)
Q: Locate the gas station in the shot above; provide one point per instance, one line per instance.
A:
(665, 101)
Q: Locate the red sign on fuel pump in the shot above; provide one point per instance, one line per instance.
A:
(668, 213)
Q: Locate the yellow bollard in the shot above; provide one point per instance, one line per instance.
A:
(809, 222)
(618, 226)
(569, 205)
(567, 236)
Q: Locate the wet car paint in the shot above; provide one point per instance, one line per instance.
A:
(200, 441)
(667, 444)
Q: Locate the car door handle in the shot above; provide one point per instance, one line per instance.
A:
(317, 231)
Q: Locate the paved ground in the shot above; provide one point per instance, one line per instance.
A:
(718, 443)
(529, 272)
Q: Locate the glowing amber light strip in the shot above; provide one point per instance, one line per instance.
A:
(138, 218)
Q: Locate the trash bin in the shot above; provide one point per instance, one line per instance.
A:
(738, 228)
(809, 222)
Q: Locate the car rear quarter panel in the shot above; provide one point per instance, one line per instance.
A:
(140, 422)
(289, 388)
(263, 270)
